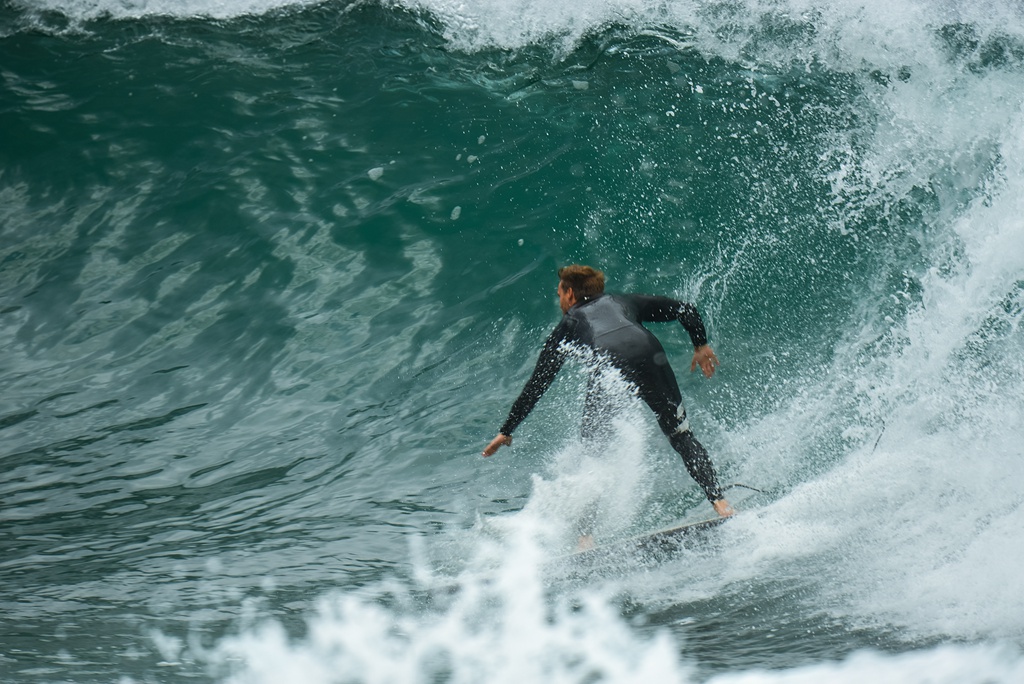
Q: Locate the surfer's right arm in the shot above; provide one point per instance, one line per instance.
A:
(663, 309)
(552, 356)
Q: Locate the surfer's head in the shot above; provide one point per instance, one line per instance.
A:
(578, 283)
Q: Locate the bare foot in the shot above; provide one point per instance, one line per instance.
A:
(723, 508)
(585, 543)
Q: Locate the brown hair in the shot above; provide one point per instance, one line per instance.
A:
(583, 280)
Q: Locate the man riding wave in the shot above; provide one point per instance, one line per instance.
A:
(612, 326)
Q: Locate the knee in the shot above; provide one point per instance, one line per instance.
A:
(673, 421)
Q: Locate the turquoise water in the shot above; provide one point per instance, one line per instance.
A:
(271, 275)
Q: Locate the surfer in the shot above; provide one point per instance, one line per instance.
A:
(611, 326)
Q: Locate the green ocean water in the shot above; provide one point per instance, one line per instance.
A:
(272, 275)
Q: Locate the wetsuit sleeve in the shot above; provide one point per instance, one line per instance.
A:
(663, 309)
(552, 356)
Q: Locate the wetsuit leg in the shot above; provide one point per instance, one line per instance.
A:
(598, 412)
(658, 388)
(698, 464)
(596, 430)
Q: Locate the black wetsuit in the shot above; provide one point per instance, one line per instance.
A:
(611, 326)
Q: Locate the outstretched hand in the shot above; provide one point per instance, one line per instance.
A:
(706, 359)
(497, 443)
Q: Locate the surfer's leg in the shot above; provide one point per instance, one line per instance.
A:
(698, 464)
(584, 525)
(659, 389)
(595, 429)
(598, 410)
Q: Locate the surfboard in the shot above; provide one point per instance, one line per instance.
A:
(667, 540)
(659, 542)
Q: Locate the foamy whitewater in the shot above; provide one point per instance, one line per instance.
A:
(892, 452)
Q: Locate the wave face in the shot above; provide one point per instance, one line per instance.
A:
(272, 273)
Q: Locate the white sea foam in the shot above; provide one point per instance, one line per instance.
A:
(353, 641)
(944, 480)
(861, 30)
(923, 530)
(499, 625)
(944, 665)
(86, 10)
